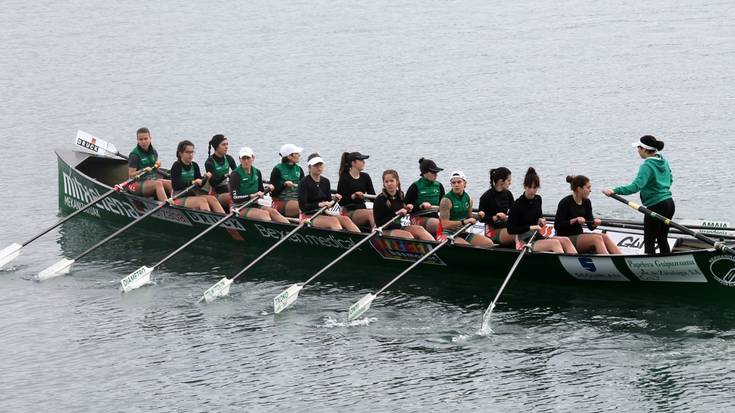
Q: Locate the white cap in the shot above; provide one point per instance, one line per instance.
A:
(246, 152)
(458, 174)
(288, 149)
(315, 160)
(644, 146)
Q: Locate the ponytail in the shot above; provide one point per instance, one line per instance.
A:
(344, 163)
(214, 143)
(577, 181)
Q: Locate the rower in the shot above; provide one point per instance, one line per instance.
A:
(145, 156)
(496, 203)
(219, 164)
(246, 182)
(525, 218)
(353, 185)
(315, 193)
(455, 210)
(184, 173)
(574, 211)
(390, 202)
(285, 178)
(425, 193)
(654, 183)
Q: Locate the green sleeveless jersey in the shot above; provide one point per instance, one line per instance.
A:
(248, 182)
(220, 169)
(147, 159)
(460, 205)
(289, 173)
(427, 191)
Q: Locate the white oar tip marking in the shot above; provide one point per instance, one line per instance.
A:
(9, 253)
(60, 268)
(360, 307)
(136, 279)
(286, 298)
(221, 289)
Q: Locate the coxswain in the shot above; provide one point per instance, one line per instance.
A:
(145, 156)
(574, 211)
(353, 185)
(390, 202)
(496, 203)
(424, 194)
(654, 183)
(219, 164)
(526, 217)
(246, 182)
(184, 173)
(455, 210)
(315, 192)
(285, 178)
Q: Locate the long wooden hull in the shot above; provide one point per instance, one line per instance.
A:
(83, 177)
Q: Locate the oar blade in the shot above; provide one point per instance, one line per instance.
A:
(136, 279)
(486, 319)
(220, 289)
(60, 268)
(360, 307)
(286, 298)
(9, 253)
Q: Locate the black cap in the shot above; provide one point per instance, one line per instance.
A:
(427, 165)
(352, 156)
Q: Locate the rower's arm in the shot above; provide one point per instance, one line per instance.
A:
(133, 163)
(445, 207)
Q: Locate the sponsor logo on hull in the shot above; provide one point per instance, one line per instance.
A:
(722, 268)
(393, 249)
(205, 219)
(676, 268)
(592, 268)
(319, 240)
(76, 195)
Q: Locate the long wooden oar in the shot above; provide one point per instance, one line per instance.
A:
(486, 317)
(222, 287)
(64, 265)
(360, 307)
(11, 252)
(142, 275)
(289, 296)
(720, 246)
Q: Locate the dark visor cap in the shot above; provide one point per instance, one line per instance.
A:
(429, 166)
(357, 156)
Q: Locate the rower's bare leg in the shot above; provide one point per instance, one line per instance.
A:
(507, 240)
(224, 200)
(419, 232)
(551, 244)
(591, 242)
(276, 216)
(432, 224)
(363, 218)
(292, 208)
(347, 223)
(196, 202)
(461, 241)
(257, 213)
(214, 204)
(166, 186)
(481, 241)
(399, 233)
(612, 247)
(566, 244)
(154, 187)
(326, 222)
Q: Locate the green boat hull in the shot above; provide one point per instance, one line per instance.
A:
(84, 177)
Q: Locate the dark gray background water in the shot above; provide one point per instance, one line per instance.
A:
(563, 86)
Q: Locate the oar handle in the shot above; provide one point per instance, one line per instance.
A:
(720, 246)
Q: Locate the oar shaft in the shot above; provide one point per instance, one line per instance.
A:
(510, 273)
(718, 245)
(274, 246)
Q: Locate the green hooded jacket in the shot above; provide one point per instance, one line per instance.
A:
(653, 181)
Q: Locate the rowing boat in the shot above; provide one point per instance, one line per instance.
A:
(84, 176)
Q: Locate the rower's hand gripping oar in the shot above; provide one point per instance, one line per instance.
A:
(360, 307)
(11, 252)
(720, 246)
(489, 311)
(289, 296)
(64, 265)
(222, 287)
(142, 275)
